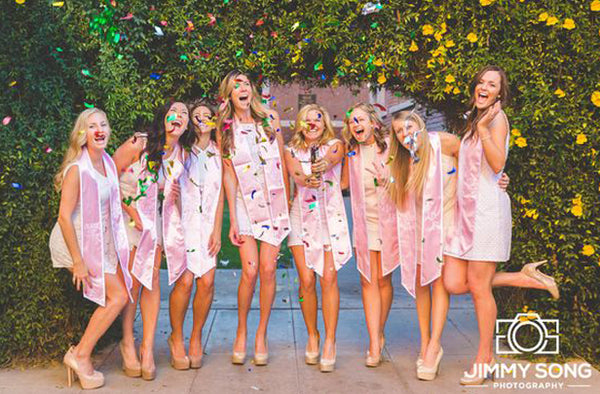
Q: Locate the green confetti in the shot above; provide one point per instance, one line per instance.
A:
(312, 205)
(301, 299)
(86, 73)
(88, 105)
(59, 49)
(374, 25)
(238, 53)
(171, 117)
(375, 182)
(183, 57)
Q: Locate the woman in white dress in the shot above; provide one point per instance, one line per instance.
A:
(249, 136)
(89, 238)
(481, 236)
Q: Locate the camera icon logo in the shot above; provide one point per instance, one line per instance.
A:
(547, 343)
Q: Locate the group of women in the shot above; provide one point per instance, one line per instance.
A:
(428, 202)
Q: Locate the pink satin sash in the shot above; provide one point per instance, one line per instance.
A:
(390, 258)
(199, 206)
(92, 236)
(267, 209)
(147, 206)
(312, 222)
(431, 237)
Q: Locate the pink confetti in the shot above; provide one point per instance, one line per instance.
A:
(127, 17)
(6, 120)
(164, 23)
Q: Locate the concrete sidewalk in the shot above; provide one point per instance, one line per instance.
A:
(286, 372)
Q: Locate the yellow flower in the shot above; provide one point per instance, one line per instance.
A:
(430, 63)
(588, 250)
(543, 17)
(456, 90)
(472, 37)
(560, 93)
(381, 79)
(596, 97)
(437, 36)
(552, 21)
(413, 47)
(516, 132)
(19, 1)
(449, 78)
(569, 24)
(427, 30)
(521, 142)
(485, 2)
(577, 200)
(595, 6)
(532, 213)
(449, 44)
(577, 210)
(581, 139)
(378, 62)
(443, 28)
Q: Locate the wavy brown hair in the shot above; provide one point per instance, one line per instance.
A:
(379, 130)
(226, 111)
(474, 116)
(400, 167)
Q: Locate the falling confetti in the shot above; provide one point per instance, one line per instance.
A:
(452, 171)
(6, 120)
(370, 8)
(17, 186)
(158, 31)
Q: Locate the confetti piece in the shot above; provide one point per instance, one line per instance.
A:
(17, 186)
(13, 83)
(58, 3)
(312, 205)
(19, 1)
(452, 171)
(351, 153)
(127, 17)
(224, 263)
(155, 76)
(370, 8)
(158, 31)
(131, 222)
(48, 150)
(87, 105)
(6, 120)
(86, 73)
(164, 23)
(171, 118)
(252, 194)
(381, 107)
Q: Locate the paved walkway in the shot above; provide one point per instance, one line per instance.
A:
(286, 372)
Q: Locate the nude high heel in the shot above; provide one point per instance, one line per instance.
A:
(88, 382)
(238, 358)
(429, 373)
(530, 270)
(477, 380)
(328, 365)
(312, 358)
(182, 363)
(261, 359)
(131, 371)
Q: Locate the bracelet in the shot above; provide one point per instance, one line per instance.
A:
(486, 138)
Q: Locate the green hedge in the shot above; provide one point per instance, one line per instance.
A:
(93, 53)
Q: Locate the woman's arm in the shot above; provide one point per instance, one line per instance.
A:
(334, 155)
(492, 131)
(69, 198)
(450, 144)
(123, 157)
(275, 125)
(345, 182)
(214, 244)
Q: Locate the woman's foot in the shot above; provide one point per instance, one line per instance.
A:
(431, 354)
(549, 283)
(311, 354)
(84, 363)
(429, 372)
(238, 356)
(261, 350)
(195, 353)
(131, 363)
(147, 363)
(179, 360)
(328, 349)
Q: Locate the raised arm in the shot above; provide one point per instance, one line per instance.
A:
(275, 124)
(492, 130)
(124, 156)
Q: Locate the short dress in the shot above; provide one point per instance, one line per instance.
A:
(493, 221)
(295, 236)
(368, 155)
(59, 253)
(248, 131)
(128, 184)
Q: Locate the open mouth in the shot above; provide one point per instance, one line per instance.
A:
(482, 96)
(99, 137)
(359, 131)
(244, 98)
(176, 123)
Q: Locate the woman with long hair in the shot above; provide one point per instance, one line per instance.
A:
(319, 237)
(202, 216)
(257, 195)
(374, 220)
(481, 235)
(89, 238)
(152, 167)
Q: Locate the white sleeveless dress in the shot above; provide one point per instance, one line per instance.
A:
(59, 253)
(493, 221)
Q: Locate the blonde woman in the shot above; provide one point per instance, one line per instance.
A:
(257, 194)
(89, 238)
(374, 220)
(319, 238)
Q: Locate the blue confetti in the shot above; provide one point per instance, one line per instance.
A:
(155, 76)
(17, 186)
(452, 171)
(351, 153)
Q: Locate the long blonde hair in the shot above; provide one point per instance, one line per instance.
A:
(298, 142)
(77, 141)
(257, 110)
(378, 131)
(405, 180)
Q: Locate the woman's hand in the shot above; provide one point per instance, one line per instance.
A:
(234, 235)
(488, 117)
(319, 166)
(503, 181)
(175, 190)
(313, 182)
(380, 174)
(80, 275)
(214, 242)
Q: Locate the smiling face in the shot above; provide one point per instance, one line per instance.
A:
(405, 131)
(487, 89)
(241, 93)
(202, 118)
(315, 125)
(98, 131)
(361, 126)
(176, 119)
